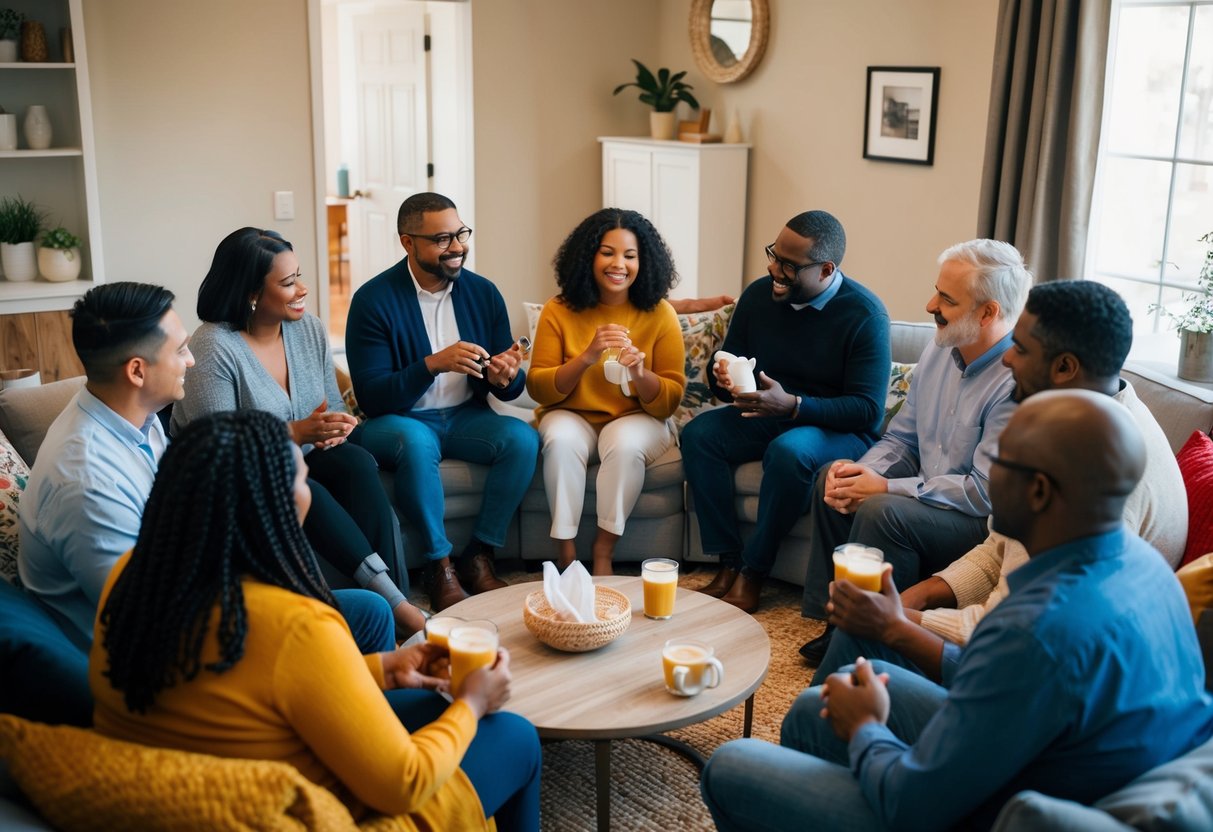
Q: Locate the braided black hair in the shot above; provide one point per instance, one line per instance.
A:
(574, 262)
(222, 508)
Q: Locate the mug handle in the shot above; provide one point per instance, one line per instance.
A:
(680, 681)
(717, 673)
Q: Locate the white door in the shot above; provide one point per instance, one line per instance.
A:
(384, 122)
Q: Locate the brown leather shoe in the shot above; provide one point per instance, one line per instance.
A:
(477, 574)
(745, 591)
(722, 583)
(443, 587)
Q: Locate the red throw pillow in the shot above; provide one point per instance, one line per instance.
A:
(1196, 465)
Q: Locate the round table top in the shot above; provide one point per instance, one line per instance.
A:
(618, 691)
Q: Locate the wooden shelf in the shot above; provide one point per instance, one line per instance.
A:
(42, 65)
(41, 295)
(34, 154)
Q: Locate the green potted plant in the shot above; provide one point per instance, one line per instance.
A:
(20, 222)
(59, 255)
(662, 92)
(1195, 325)
(10, 26)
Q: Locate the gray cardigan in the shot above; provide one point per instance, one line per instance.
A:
(227, 376)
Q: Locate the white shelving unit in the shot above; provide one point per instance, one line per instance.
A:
(61, 180)
(695, 195)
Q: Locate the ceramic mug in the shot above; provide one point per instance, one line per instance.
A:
(741, 371)
(689, 667)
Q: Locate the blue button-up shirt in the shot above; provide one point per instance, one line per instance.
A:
(1086, 676)
(938, 447)
(83, 504)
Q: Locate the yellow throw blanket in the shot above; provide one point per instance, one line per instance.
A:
(78, 779)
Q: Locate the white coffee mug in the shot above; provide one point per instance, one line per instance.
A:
(741, 371)
(8, 131)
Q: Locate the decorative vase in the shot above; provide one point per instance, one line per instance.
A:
(732, 133)
(8, 131)
(8, 51)
(1196, 355)
(663, 125)
(58, 265)
(69, 49)
(33, 42)
(20, 263)
(37, 127)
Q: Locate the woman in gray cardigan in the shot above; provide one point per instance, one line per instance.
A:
(258, 348)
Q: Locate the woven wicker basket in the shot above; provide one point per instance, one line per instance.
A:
(614, 615)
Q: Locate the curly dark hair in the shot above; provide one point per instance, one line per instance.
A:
(1085, 318)
(574, 261)
(222, 508)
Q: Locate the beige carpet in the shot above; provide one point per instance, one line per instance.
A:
(652, 788)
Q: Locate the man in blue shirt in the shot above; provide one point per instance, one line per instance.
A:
(428, 342)
(1085, 677)
(919, 494)
(821, 343)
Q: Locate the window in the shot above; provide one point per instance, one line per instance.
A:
(1154, 184)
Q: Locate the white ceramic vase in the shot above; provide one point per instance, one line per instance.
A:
(8, 51)
(8, 131)
(58, 265)
(20, 263)
(37, 127)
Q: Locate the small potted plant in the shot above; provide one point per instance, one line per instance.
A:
(662, 92)
(59, 255)
(20, 222)
(1195, 325)
(10, 26)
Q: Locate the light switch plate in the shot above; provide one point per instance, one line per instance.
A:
(284, 205)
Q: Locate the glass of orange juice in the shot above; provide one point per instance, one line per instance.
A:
(859, 564)
(473, 645)
(438, 630)
(660, 577)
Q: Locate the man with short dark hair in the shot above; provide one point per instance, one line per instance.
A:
(84, 501)
(820, 341)
(428, 342)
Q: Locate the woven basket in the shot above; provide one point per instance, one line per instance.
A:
(614, 615)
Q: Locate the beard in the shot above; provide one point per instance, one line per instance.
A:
(439, 268)
(958, 333)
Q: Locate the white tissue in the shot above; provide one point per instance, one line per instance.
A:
(571, 594)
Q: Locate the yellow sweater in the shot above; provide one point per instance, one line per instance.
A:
(302, 694)
(562, 335)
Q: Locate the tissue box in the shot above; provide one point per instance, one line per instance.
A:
(614, 615)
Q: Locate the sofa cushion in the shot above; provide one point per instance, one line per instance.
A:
(27, 412)
(1174, 796)
(1178, 406)
(53, 670)
(1196, 465)
(13, 475)
(1035, 812)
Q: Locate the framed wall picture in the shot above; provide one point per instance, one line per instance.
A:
(899, 120)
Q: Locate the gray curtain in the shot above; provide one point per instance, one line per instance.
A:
(1046, 101)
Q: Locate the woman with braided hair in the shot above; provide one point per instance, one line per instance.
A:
(218, 634)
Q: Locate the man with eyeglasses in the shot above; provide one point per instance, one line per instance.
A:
(821, 345)
(1072, 334)
(919, 494)
(1086, 676)
(428, 342)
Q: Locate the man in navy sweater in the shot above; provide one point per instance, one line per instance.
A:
(428, 342)
(821, 345)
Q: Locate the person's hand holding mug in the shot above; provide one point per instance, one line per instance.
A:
(606, 337)
(720, 369)
(409, 667)
(487, 689)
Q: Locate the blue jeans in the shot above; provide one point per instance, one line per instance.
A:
(806, 782)
(370, 619)
(715, 442)
(845, 648)
(503, 762)
(412, 445)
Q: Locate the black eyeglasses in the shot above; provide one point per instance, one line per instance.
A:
(443, 241)
(1026, 469)
(790, 270)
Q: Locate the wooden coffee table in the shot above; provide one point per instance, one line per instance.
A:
(617, 692)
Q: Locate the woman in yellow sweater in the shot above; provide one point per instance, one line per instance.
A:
(218, 634)
(607, 372)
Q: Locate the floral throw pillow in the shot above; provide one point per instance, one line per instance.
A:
(14, 474)
(702, 334)
(899, 388)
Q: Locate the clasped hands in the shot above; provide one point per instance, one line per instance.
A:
(615, 337)
(427, 666)
(848, 484)
(770, 399)
(322, 428)
(474, 360)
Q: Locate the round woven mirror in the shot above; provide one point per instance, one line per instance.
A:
(728, 37)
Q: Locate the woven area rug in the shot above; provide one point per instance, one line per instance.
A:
(652, 788)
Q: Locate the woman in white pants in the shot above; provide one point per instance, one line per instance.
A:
(607, 372)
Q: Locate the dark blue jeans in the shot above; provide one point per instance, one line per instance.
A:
(370, 619)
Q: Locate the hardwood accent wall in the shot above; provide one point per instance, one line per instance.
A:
(39, 340)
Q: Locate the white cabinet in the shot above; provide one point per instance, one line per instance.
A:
(61, 180)
(695, 194)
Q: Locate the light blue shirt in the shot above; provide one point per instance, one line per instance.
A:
(83, 504)
(938, 447)
(1086, 676)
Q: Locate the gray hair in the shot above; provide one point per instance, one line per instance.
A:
(1000, 274)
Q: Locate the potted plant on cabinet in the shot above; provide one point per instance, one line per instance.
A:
(662, 92)
(20, 222)
(10, 25)
(59, 255)
(1195, 326)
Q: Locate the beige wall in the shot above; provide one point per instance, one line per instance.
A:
(202, 111)
(802, 108)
